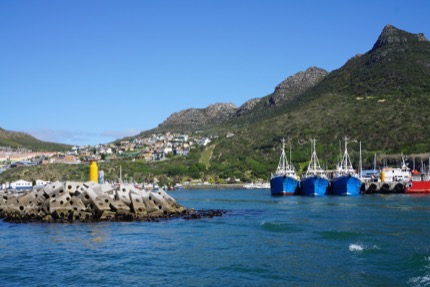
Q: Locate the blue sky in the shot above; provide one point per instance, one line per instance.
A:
(89, 72)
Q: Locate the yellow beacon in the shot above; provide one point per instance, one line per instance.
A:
(94, 171)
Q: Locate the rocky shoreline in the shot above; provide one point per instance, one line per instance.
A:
(71, 202)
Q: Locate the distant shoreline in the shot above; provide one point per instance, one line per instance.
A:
(215, 186)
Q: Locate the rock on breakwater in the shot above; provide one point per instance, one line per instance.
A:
(88, 202)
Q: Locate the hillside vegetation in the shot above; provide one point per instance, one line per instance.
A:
(23, 140)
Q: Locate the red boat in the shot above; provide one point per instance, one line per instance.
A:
(418, 187)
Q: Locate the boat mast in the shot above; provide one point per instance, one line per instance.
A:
(284, 160)
(283, 164)
(314, 156)
(291, 160)
(314, 159)
(374, 163)
(360, 165)
(346, 161)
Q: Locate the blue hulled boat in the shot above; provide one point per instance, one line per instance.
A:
(346, 180)
(315, 181)
(284, 180)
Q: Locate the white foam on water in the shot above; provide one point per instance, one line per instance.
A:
(361, 247)
(420, 281)
(356, 247)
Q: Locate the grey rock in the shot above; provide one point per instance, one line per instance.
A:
(295, 85)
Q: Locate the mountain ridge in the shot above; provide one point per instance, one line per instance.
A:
(16, 139)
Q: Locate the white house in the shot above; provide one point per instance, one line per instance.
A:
(204, 141)
(21, 185)
(167, 150)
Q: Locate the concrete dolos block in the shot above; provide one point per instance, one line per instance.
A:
(119, 206)
(74, 187)
(122, 193)
(137, 204)
(99, 204)
(88, 196)
(151, 205)
(170, 200)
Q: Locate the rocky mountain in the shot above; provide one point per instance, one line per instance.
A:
(295, 85)
(393, 37)
(195, 119)
(247, 107)
(398, 63)
(380, 98)
(216, 114)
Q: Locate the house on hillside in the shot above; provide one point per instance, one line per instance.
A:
(146, 155)
(204, 141)
(158, 155)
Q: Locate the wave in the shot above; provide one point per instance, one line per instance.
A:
(358, 247)
(420, 281)
(423, 280)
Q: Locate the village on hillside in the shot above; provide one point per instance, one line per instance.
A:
(153, 148)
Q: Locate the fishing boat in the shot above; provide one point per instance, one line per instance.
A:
(315, 181)
(402, 174)
(345, 180)
(419, 182)
(417, 186)
(284, 181)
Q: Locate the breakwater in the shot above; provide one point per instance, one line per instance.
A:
(87, 202)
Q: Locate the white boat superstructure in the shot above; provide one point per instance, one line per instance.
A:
(314, 167)
(284, 168)
(390, 174)
(345, 166)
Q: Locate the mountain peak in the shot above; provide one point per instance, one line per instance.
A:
(194, 119)
(392, 35)
(295, 85)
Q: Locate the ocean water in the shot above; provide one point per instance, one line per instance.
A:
(371, 240)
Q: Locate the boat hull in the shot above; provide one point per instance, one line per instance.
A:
(314, 186)
(283, 185)
(418, 187)
(346, 185)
